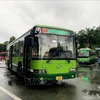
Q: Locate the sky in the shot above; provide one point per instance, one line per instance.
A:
(19, 16)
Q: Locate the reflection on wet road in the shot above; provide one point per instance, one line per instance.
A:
(84, 87)
(91, 74)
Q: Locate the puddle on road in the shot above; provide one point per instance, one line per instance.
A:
(12, 78)
(89, 73)
(92, 75)
(92, 92)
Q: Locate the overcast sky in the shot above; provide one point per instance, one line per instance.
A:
(17, 17)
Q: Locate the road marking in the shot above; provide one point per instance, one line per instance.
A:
(9, 93)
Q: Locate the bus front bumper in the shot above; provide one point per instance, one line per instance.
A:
(56, 77)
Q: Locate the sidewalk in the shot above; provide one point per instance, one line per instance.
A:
(2, 64)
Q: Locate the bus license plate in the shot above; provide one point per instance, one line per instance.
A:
(58, 77)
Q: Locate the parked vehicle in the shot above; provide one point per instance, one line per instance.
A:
(2, 55)
(86, 56)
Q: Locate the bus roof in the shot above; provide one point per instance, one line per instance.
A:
(44, 26)
(84, 49)
(54, 27)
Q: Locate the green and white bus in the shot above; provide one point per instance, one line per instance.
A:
(43, 53)
(86, 56)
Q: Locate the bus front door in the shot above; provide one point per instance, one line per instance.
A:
(26, 60)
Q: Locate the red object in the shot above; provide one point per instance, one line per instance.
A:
(44, 30)
(2, 55)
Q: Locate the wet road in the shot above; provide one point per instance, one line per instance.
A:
(85, 87)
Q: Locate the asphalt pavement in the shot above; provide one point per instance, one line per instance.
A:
(80, 88)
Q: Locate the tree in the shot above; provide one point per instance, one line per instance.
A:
(97, 35)
(2, 48)
(4, 45)
(12, 39)
(82, 38)
(89, 37)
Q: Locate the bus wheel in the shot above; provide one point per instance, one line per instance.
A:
(19, 69)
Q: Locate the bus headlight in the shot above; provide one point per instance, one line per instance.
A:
(40, 71)
(73, 70)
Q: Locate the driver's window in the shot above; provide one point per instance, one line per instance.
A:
(35, 49)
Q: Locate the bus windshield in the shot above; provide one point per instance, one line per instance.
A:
(83, 54)
(55, 46)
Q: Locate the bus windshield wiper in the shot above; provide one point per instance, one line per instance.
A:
(66, 56)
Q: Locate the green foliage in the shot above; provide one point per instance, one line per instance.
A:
(12, 39)
(2, 48)
(3, 45)
(89, 37)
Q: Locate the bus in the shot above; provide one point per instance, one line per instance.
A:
(43, 53)
(86, 56)
(98, 54)
(2, 56)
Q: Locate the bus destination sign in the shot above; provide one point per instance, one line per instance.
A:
(52, 31)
